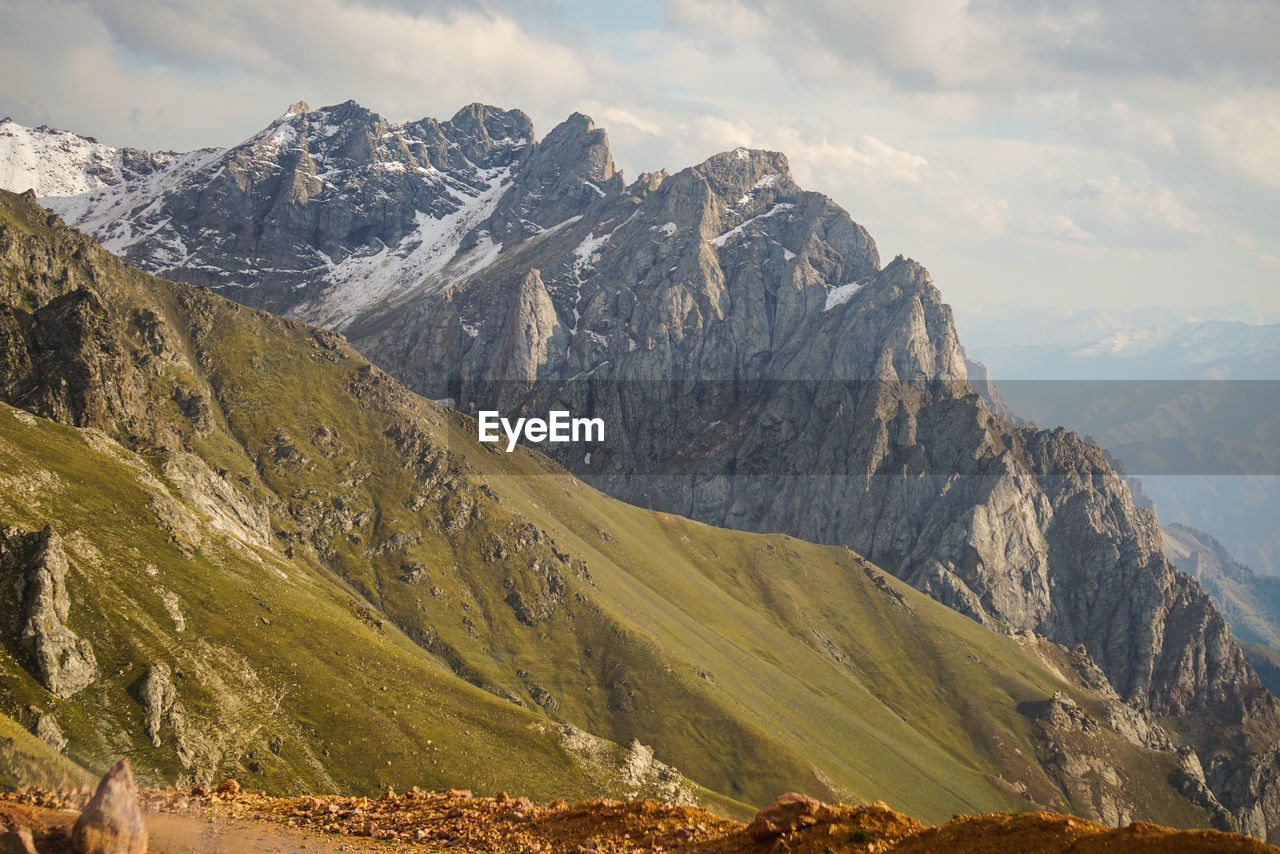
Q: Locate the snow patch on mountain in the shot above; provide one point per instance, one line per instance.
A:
(1130, 341)
(739, 229)
(840, 295)
(361, 280)
(106, 191)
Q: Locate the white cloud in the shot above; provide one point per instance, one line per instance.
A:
(1241, 134)
(882, 159)
(622, 117)
(919, 42)
(864, 159)
(1138, 212)
(175, 58)
(1056, 227)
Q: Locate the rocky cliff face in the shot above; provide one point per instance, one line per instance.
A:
(756, 364)
(62, 661)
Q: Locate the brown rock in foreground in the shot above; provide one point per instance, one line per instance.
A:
(17, 841)
(112, 822)
(788, 812)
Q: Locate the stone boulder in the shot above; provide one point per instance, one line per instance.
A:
(16, 841)
(789, 812)
(112, 821)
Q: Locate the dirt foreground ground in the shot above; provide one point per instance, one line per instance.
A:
(230, 820)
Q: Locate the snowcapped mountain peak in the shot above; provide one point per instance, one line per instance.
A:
(743, 173)
(346, 206)
(54, 162)
(98, 188)
(336, 214)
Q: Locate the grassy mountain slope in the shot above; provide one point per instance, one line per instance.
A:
(263, 651)
(27, 761)
(344, 602)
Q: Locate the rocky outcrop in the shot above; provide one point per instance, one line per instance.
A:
(569, 171)
(789, 812)
(112, 822)
(48, 731)
(226, 508)
(1075, 754)
(37, 567)
(1062, 713)
(1245, 784)
(640, 773)
(63, 356)
(529, 334)
(1190, 781)
(158, 697)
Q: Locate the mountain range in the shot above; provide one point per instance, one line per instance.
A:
(1030, 342)
(232, 546)
(757, 365)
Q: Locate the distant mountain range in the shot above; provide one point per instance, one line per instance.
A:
(757, 365)
(999, 335)
(1191, 406)
(1207, 350)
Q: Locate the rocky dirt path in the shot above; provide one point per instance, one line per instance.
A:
(182, 834)
(230, 821)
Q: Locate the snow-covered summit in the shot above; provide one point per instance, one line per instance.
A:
(96, 187)
(54, 162)
(319, 213)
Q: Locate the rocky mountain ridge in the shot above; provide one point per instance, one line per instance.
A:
(847, 392)
(1187, 403)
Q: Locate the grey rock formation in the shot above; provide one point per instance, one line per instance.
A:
(1072, 744)
(158, 696)
(61, 660)
(48, 731)
(1190, 780)
(225, 507)
(1063, 713)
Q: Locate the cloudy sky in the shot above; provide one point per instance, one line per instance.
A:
(1074, 153)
